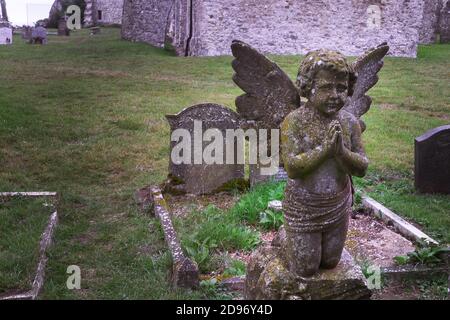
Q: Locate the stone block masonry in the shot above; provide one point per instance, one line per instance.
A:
(207, 27)
(146, 20)
(109, 11)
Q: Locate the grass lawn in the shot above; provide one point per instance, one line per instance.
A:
(22, 221)
(84, 116)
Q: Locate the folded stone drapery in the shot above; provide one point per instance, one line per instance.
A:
(311, 212)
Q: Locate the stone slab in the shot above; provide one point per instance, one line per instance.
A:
(268, 279)
(432, 161)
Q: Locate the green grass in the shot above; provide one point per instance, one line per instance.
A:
(84, 116)
(211, 231)
(431, 212)
(22, 221)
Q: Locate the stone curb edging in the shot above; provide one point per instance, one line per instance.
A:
(415, 272)
(45, 242)
(402, 226)
(185, 273)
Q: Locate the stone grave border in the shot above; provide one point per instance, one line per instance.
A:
(402, 226)
(45, 243)
(410, 232)
(185, 273)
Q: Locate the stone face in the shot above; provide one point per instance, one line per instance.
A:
(198, 177)
(277, 26)
(6, 35)
(432, 161)
(269, 279)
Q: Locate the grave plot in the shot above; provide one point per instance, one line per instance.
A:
(26, 228)
(220, 232)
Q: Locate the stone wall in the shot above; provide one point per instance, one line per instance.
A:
(146, 20)
(430, 21)
(112, 11)
(298, 26)
(444, 22)
(276, 26)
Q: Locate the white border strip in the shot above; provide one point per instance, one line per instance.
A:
(403, 227)
(28, 194)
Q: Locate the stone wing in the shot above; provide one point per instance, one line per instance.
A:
(270, 95)
(366, 69)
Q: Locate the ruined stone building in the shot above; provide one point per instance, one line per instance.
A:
(207, 27)
(109, 11)
(104, 12)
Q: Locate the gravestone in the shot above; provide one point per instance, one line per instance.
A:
(256, 177)
(95, 30)
(26, 33)
(199, 176)
(62, 27)
(432, 161)
(6, 35)
(39, 35)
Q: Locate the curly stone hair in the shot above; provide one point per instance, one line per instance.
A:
(323, 59)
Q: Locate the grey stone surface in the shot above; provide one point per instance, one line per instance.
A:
(39, 35)
(444, 22)
(432, 161)
(146, 20)
(184, 271)
(90, 19)
(256, 177)
(430, 21)
(234, 283)
(6, 35)
(63, 30)
(268, 278)
(112, 11)
(277, 27)
(204, 178)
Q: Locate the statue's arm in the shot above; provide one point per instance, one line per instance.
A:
(298, 162)
(353, 161)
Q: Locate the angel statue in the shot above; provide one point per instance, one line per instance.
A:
(321, 145)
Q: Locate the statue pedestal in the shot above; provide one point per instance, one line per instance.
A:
(269, 279)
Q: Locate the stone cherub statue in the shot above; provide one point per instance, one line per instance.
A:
(321, 144)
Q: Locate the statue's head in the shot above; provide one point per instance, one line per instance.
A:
(326, 80)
